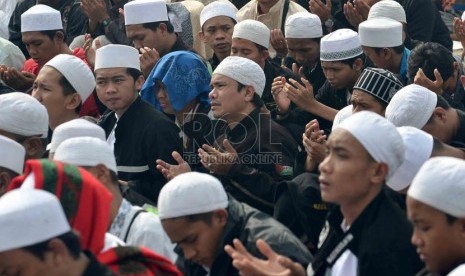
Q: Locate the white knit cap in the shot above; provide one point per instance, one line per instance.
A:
(341, 44)
(145, 11)
(254, 31)
(30, 216)
(115, 55)
(190, 194)
(12, 154)
(76, 71)
(244, 71)
(440, 183)
(378, 136)
(389, 9)
(418, 148)
(303, 25)
(341, 115)
(22, 114)
(40, 18)
(380, 32)
(218, 8)
(75, 128)
(86, 151)
(412, 105)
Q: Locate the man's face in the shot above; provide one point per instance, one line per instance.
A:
(18, 262)
(143, 37)
(116, 89)
(49, 92)
(346, 170)
(40, 47)
(226, 100)
(340, 75)
(364, 101)
(440, 243)
(305, 51)
(217, 33)
(199, 240)
(247, 49)
(377, 58)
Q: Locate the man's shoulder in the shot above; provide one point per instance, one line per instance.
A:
(246, 12)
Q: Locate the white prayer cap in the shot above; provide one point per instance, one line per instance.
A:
(412, 105)
(341, 44)
(22, 114)
(378, 136)
(190, 194)
(75, 128)
(115, 55)
(13, 155)
(86, 151)
(30, 216)
(41, 18)
(243, 70)
(145, 11)
(254, 31)
(218, 8)
(76, 72)
(463, 16)
(380, 32)
(341, 115)
(458, 271)
(303, 25)
(389, 9)
(440, 183)
(418, 148)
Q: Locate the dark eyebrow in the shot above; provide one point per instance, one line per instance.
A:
(183, 240)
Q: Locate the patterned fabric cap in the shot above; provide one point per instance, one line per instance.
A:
(339, 45)
(378, 82)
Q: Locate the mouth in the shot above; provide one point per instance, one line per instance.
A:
(323, 183)
(221, 46)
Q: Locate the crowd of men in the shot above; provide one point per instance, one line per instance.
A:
(261, 137)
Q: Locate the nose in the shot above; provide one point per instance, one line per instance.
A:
(212, 94)
(219, 35)
(110, 88)
(36, 95)
(324, 166)
(415, 240)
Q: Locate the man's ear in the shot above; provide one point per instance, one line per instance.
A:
(440, 114)
(249, 93)
(220, 217)
(358, 64)
(265, 54)
(59, 37)
(387, 52)
(139, 82)
(201, 36)
(73, 101)
(34, 148)
(380, 172)
(163, 28)
(57, 253)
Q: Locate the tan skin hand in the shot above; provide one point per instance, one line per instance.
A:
(278, 42)
(323, 10)
(216, 161)
(148, 59)
(170, 171)
(423, 80)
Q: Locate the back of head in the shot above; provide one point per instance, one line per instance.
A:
(190, 194)
(440, 183)
(22, 114)
(370, 129)
(412, 105)
(86, 151)
(429, 56)
(75, 128)
(254, 31)
(244, 71)
(342, 44)
(30, 216)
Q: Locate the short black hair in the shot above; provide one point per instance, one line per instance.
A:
(70, 239)
(261, 48)
(205, 217)
(134, 73)
(51, 33)
(351, 61)
(429, 56)
(450, 219)
(256, 100)
(154, 25)
(68, 89)
(397, 49)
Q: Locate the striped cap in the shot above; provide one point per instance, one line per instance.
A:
(380, 83)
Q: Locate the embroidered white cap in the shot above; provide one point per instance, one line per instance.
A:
(378, 136)
(440, 183)
(303, 25)
(115, 56)
(418, 148)
(380, 32)
(145, 11)
(218, 8)
(412, 105)
(341, 44)
(254, 31)
(30, 216)
(13, 155)
(243, 70)
(75, 128)
(41, 18)
(22, 114)
(86, 151)
(190, 194)
(76, 71)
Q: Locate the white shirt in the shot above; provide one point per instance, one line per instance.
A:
(146, 230)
